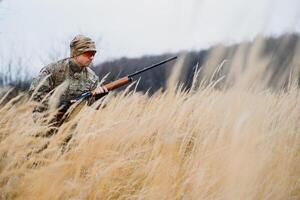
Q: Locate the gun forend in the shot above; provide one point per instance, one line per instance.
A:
(118, 83)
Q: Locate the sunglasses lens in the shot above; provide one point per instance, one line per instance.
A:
(89, 53)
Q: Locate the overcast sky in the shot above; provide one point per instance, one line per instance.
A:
(40, 29)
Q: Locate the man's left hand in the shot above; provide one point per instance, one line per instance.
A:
(100, 90)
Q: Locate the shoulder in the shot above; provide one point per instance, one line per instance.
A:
(55, 67)
(59, 66)
(50, 73)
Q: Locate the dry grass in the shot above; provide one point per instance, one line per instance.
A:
(242, 142)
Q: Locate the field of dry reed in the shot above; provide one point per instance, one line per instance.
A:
(240, 142)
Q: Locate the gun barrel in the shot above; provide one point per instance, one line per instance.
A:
(152, 66)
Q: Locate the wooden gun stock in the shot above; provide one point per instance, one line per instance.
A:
(118, 83)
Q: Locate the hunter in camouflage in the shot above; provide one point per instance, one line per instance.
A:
(71, 76)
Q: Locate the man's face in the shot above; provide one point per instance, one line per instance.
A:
(85, 59)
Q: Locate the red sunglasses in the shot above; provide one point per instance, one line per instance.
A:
(89, 53)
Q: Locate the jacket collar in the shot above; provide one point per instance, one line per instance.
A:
(74, 67)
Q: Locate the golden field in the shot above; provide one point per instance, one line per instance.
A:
(238, 142)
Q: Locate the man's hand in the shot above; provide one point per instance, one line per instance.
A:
(100, 90)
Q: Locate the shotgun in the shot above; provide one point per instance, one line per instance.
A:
(64, 105)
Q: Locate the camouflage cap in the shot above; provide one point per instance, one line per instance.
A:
(81, 44)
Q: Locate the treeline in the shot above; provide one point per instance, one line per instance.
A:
(279, 50)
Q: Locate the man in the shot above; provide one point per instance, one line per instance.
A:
(71, 76)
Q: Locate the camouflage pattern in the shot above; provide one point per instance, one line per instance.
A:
(81, 44)
(76, 80)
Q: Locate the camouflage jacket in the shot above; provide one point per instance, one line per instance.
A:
(74, 79)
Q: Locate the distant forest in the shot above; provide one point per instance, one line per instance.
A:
(280, 49)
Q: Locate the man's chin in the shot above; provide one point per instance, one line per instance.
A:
(87, 64)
